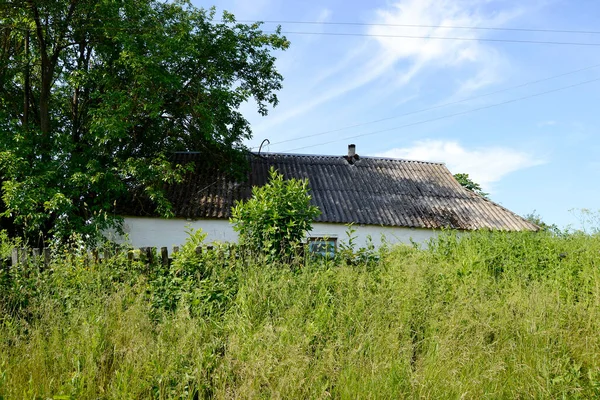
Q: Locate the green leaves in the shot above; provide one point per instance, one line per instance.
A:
(275, 220)
(467, 183)
(96, 94)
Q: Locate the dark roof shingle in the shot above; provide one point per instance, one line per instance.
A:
(372, 191)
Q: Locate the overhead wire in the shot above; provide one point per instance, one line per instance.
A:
(446, 116)
(489, 28)
(435, 107)
(353, 23)
(423, 37)
(350, 34)
(552, 42)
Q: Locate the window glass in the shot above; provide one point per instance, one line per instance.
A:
(325, 247)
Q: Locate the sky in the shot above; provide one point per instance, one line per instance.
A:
(519, 116)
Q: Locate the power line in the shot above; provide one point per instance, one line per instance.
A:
(487, 28)
(447, 116)
(435, 107)
(350, 34)
(350, 23)
(438, 38)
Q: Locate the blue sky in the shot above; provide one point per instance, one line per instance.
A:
(537, 153)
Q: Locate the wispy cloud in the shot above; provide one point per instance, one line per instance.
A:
(424, 18)
(370, 71)
(391, 63)
(485, 165)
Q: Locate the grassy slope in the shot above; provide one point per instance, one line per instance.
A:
(491, 316)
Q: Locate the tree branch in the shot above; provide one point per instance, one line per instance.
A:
(38, 28)
(61, 36)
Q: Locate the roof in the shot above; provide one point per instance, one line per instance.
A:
(371, 191)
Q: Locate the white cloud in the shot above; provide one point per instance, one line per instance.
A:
(429, 15)
(370, 71)
(484, 165)
(391, 63)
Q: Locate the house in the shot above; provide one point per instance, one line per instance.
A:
(401, 200)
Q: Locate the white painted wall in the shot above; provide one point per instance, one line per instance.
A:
(158, 232)
(392, 235)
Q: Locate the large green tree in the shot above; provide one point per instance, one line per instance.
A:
(94, 95)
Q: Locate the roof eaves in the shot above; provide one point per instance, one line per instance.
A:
(522, 220)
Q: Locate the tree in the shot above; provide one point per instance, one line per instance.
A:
(467, 183)
(95, 94)
(275, 220)
(536, 219)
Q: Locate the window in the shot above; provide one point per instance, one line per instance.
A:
(324, 246)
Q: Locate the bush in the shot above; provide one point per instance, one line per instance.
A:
(203, 283)
(275, 220)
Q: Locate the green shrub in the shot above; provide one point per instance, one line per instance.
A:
(277, 217)
(202, 282)
(350, 254)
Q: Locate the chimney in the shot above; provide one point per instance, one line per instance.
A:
(352, 156)
(351, 150)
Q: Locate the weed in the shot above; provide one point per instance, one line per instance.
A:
(475, 315)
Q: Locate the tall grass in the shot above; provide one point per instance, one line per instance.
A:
(488, 315)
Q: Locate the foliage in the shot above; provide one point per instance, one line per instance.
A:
(277, 217)
(96, 94)
(535, 218)
(468, 183)
(351, 255)
(7, 244)
(195, 280)
(474, 315)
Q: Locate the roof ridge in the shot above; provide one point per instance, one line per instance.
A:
(266, 154)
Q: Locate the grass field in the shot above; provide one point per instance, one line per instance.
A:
(492, 315)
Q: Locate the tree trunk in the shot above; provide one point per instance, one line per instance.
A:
(46, 86)
(47, 69)
(26, 84)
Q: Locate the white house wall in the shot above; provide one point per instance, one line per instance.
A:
(157, 232)
(362, 234)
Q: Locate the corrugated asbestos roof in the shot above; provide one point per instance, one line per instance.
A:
(372, 191)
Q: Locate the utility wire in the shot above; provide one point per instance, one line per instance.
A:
(342, 34)
(487, 28)
(438, 38)
(435, 107)
(349, 23)
(350, 34)
(447, 116)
